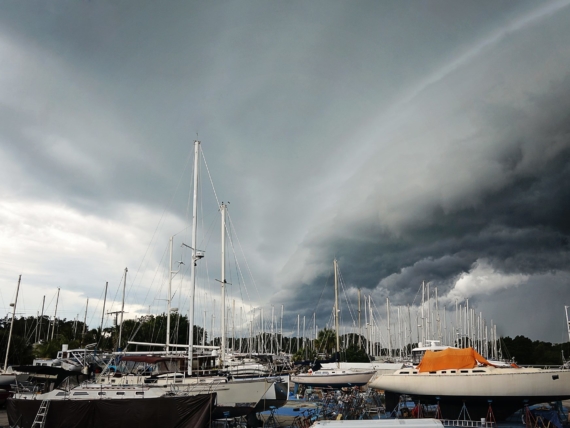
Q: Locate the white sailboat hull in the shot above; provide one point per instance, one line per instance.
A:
(507, 389)
(333, 378)
(239, 394)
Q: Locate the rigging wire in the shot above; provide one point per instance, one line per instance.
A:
(160, 221)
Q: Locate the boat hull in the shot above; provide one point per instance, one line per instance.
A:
(333, 379)
(507, 390)
(276, 396)
(237, 397)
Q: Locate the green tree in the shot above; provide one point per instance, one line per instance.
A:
(326, 341)
(354, 354)
(304, 354)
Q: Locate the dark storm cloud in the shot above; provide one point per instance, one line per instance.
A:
(516, 220)
(523, 227)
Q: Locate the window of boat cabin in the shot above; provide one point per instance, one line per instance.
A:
(101, 393)
(169, 366)
(139, 393)
(464, 371)
(443, 372)
(417, 357)
(479, 371)
(120, 393)
(404, 373)
(452, 371)
(80, 393)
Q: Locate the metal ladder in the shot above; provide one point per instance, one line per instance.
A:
(40, 419)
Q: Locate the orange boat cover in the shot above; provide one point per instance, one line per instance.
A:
(451, 358)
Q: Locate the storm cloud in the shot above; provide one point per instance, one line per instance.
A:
(411, 141)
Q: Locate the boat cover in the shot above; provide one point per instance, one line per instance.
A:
(165, 412)
(451, 358)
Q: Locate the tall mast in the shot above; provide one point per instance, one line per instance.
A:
(122, 310)
(12, 323)
(55, 314)
(272, 333)
(193, 267)
(104, 301)
(429, 323)
(169, 299)
(262, 324)
(298, 330)
(336, 311)
(281, 332)
(359, 324)
(303, 341)
(567, 321)
(84, 320)
(315, 328)
(366, 323)
(41, 319)
(423, 318)
(389, 332)
(223, 281)
(204, 331)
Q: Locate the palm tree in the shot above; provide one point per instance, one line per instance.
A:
(326, 341)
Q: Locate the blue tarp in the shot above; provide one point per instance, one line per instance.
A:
(548, 415)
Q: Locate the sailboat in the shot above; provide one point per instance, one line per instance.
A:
(194, 374)
(455, 378)
(337, 377)
(7, 376)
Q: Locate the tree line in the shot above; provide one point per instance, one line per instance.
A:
(37, 337)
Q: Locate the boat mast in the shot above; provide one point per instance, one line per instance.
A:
(193, 267)
(423, 318)
(84, 320)
(103, 312)
(223, 281)
(169, 299)
(567, 321)
(12, 323)
(359, 324)
(204, 330)
(336, 312)
(39, 335)
(389, 332)
(54, 315)
(272, 335)
(298, 331)
(122, 311)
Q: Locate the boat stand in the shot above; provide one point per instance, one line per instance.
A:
(464, 414)
(490, 418)
(438, 414)
(531, 421)
(419, 413)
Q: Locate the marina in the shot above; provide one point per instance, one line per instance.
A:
(396, 252)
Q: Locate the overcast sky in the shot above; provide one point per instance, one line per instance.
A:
(413, 141)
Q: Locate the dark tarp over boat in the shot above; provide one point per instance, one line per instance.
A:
(165, 412)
